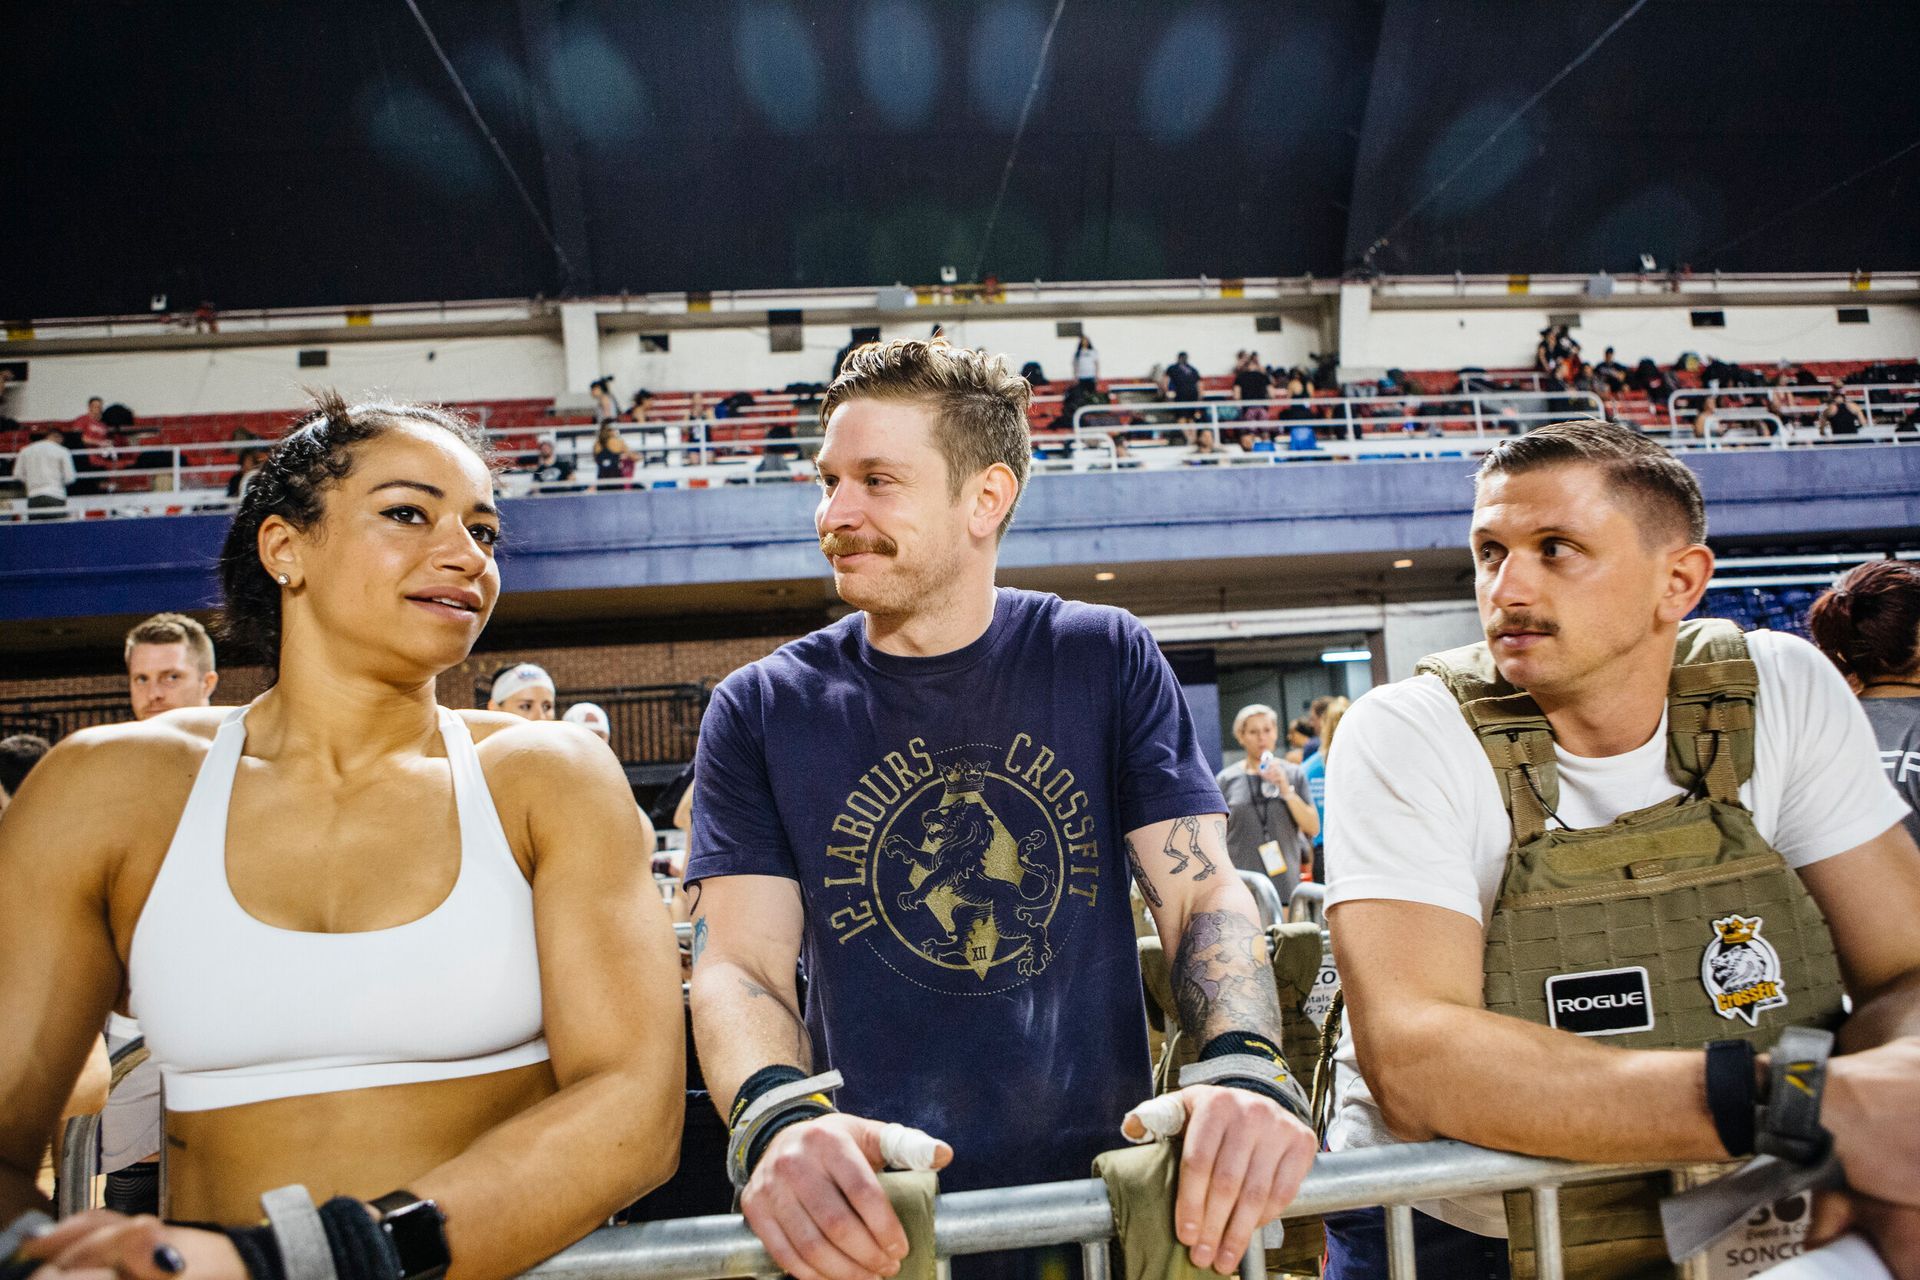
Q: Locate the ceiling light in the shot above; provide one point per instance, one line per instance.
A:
(1403, 564)
(1105, 575)
(1346, 655)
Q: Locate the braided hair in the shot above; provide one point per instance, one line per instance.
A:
(293, 483)
(1868, 622)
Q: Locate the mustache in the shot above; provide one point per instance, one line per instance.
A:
(842, 544)
(1507, 623)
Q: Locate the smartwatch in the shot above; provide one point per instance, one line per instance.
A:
(418, 1232)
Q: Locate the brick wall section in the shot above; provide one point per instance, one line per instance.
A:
(584, 667)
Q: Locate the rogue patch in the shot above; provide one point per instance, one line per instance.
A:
(1604, 1002)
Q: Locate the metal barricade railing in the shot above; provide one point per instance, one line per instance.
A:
(1067, 1213)
(1308, 903)
(1806, 400)
(1265, 896)
(1354, 417)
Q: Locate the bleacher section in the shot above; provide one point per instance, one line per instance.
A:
(695, 439)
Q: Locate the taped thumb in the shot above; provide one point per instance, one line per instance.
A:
(1156, 1118)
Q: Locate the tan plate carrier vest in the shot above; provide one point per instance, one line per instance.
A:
(1655, 889)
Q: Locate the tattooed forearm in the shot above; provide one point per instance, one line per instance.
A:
(1187, 831)
(1147, 891)
(1221, 980)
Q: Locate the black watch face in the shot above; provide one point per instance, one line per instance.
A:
(419, 1238)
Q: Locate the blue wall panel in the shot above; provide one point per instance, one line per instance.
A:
(765, 534)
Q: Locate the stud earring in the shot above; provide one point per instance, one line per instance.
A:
(283, 579)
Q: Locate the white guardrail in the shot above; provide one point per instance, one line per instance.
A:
(1124, 436)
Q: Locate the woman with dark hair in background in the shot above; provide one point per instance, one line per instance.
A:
(398, 955)
(1868, 623)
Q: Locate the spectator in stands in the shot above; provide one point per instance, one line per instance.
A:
(1206, 449)
(549, 468)
(1086, 365)
(170, 664)
(1782, 403)
(90, 429)
(1837, 416)
(523, 689)
(418, 934)
(605, 407)
(1544, 355)
(590, 716)
(45, 468)
(237, 483)
(1611, 372)
(1183, 386)
(18, 754)
(1251, 383)
(1270, 819)
(1868, 623)
(1706, 423)
(612, 460)
(637, 408)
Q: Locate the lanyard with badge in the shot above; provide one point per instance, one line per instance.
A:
(1270, 856)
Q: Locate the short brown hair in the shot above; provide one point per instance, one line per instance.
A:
(979, 406)
(173, 628)
(1657, 482)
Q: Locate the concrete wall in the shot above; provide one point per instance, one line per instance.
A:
(237, 379)
(247, 379)
(1129, 346)
(1504, 337)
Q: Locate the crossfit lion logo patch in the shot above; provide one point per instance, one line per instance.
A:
(965, 869)
(1741, 970)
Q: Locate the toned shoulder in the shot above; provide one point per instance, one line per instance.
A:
(112, 781)
(545, 747)
(147, 749)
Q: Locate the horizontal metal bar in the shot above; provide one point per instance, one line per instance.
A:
(967, 1222)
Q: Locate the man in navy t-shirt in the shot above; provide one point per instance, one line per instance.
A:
(936, 805)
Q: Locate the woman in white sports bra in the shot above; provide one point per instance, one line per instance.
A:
(401, 956)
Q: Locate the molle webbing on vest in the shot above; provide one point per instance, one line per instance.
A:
(1640, 895)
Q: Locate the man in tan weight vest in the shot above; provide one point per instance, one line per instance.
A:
(1600, 837)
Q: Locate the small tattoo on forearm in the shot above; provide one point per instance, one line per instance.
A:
(1147, 891)
(1189, 829)
(699, 940)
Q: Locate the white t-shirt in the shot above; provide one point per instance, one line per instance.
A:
(1415, 814)
(1086, 363)
(45, 468)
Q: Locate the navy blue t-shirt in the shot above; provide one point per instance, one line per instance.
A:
(955, 824)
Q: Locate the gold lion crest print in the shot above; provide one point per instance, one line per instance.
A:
(964, 869)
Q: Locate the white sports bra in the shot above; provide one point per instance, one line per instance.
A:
(238, 1011)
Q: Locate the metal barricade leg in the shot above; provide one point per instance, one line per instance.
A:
(1401, 1262)
(1253, 1263)
(1096, 1262)
(1548, 1261)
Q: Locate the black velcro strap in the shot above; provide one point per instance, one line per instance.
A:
(259, 1251)
(760, 1082)
(1730, 1094)
(361, 1250)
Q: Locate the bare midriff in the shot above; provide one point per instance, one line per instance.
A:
(361, 1142)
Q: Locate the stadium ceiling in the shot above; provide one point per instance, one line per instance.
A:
(245, 155)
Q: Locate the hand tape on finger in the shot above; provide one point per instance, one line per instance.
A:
(1154, 1119)
(905, 1148)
